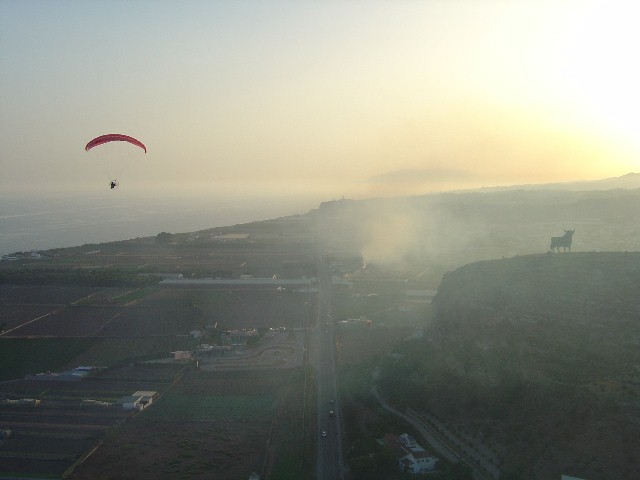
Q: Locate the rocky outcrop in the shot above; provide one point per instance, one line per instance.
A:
(540, 357)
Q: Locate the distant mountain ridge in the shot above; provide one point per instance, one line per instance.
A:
(457, 227)
(454, 228)
(630, 180)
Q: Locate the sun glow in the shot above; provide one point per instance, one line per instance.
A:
(583, 76)
(597, 67)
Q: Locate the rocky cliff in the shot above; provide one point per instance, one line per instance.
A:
(538, 356)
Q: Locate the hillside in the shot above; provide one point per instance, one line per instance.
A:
(537, 356)
(446, 231)
(629, 180)
(431, 233)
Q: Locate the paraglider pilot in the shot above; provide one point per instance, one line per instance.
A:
(114, 137)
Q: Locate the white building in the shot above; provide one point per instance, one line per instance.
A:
(418, 462)
(139, 400)
(412, 457)
(182, 355)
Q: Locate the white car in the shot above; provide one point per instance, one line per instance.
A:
(324, 433)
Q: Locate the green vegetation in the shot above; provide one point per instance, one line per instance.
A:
(532, 354)
(163, 238)
(347, 305)
(293, 429)
(43, 476)
(84, 277)
(109, 352)
(204, 424)
(288, 465)
(212, 407)
(355, 381)
(26, 356)
(136, 294)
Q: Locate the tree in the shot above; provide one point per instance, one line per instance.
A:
(163, 238)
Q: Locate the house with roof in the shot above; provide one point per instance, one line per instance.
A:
(138, 400)
(182, 355)
(412, 458)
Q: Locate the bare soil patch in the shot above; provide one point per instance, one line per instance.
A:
(208, 425)
(50, 294)
(12, 316)
(179, 449)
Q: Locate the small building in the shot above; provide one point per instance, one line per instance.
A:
(237, 338)
(169, 276)
(341, 281)
(362, 321)
(418, 462)
(226, 237)
(88, 402)
(130, 402)
(22, 402)
(81, 372)
(138, 400)
(412, 458)
(182, 355)
(77, 374)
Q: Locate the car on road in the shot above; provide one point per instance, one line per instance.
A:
(331, 413)
(324, 433)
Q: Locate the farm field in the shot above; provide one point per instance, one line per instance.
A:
(102, 306)
(156, 312)
(48, 438)
(93, 315)
(43, 295)
(207, 425)
(179, 449)
(283, 247)
(13, 316)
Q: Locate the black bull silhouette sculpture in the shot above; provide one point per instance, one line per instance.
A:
(563, 241)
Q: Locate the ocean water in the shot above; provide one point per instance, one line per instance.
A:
(43, 222)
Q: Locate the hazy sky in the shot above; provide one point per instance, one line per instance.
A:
(353, 98)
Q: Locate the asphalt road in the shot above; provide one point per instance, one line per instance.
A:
(329, 435)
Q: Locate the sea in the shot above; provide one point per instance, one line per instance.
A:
(37, 222)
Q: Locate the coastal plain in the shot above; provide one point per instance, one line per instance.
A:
(105, 307)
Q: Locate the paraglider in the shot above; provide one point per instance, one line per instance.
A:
(114, 161)
(114, 137)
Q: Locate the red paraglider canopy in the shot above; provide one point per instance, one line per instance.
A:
(114, 137)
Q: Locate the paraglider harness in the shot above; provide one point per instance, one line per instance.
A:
(113, 184)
